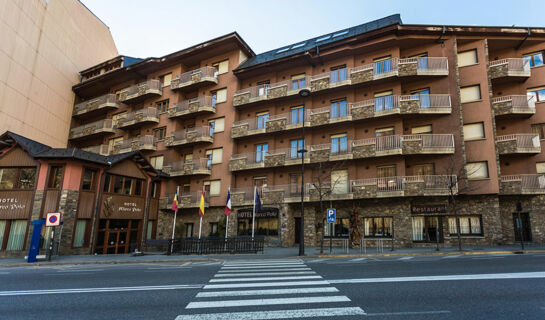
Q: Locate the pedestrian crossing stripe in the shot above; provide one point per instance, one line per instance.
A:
(265, 302)
(265, 284)
(277, 314)
(266, 279)
(220, 275)
(234, 293)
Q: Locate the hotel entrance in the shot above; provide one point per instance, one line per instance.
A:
(117, 236)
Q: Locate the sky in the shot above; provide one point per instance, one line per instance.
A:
(154, 28)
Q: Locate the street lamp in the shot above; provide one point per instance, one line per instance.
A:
(303, 93)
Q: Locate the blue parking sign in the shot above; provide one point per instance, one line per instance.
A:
(330, 215)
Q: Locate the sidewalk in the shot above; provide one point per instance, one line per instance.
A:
(270, 253)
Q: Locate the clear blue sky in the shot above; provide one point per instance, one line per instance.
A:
(144, 28)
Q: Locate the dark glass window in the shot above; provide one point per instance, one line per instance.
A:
(138, 187)
(7, 178)
(88, 182)
(378, 227)
(263, 227)
(127, 186)
(55, 177)
(339, 230)
(118, 184)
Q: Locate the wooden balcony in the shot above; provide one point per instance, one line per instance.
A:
(189, 137)
(188, 168)
(192, 108)
(141, 91)
(522, 184)
(514, 105)
(143, 143)
(512, 144)
(194, 79)
(93, 129)
(138, 118)
(510, 68)
(95, 106)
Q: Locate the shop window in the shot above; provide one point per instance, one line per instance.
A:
(378, 227)
(470, 94)
(298, 81)
(222, 66)
(16, 236)
(162, 105)
(55, 177)
(427, 228)
(473, 131)
(263, 227)
(338, 230)
(469, 226)
(157, 162)
(88, 180)
(477, 170)
(535, 59)
(467, 58)
(536, 94)
(80, 233)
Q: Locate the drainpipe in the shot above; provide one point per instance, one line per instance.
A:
(524, 40)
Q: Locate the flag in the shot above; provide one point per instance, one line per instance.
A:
(175, 202)
(201, 206)
(228, 204)
(257, 204)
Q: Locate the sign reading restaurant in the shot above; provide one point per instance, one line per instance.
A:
(429, 208)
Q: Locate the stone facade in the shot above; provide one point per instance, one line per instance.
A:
(506, 147)
(319, 155)
(318, 119)
(412, 146)
(241, 99)
(364, 151)
(277, 92)
(319, 84)
(407, 69)
(498, 71)
(240, 131)
(276, 125)
(237, 164)
(503, 108)
(273, 196)
(409, 106)
(68, 206)
(361, 76)
(275, 160)
(534, 206)
(363, 112)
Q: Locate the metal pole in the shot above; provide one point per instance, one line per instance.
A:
(253, 213)
(226, 227)
(437, 235)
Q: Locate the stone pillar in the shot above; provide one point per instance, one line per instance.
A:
(36, 210)
(68, 206)
(287, 226)
(310, 226)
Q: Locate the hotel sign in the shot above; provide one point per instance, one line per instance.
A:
(122, 207)
(15, 204)
(429, 209)
(263, 213)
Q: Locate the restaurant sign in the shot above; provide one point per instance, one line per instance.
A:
(429, 209)
(263, 213)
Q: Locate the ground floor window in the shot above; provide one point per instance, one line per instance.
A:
(427, 228)
(339, 230)
(263, 227)
(214, 229)
(15, 231)
(149, 230)
(117, 236)
(189, 230)
(469, 225)
(378, 227)
(80, 233)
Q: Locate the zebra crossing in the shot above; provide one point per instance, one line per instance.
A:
(273, 289)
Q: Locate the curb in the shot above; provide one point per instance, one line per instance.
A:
(468, 253)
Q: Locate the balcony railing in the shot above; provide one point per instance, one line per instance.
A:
(510, 67)
(142, 116)
(270, 194)
(407, 104)
(105, 102)
(102, 149)
(271, 158)
(190, 136)
(141, 91)
(523, 184)
(195, 78)
(270, 91)
(514, 104)
(192, 107)
(143, 143)
(98, 127)
(188, 199)
(187, 168)
(518, 143)
(274, 123)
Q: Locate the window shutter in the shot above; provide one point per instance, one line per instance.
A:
(467, 58)
(223, 67)
(477, 170)
(469, 94)
(421, 129)
(217, 155)
(540, 167)
(221, 95)
(167, 78)
(219, 125)
(215, 187)
(473, 131)
(382, 94)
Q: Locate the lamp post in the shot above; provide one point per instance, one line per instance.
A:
(303, 93)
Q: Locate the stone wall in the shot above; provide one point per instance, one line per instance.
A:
(364, 151)
(68, 206)
(319, 155)
(498, 71)
(502, 108)
(237, 164)
(320, 84)
(276, 125)
(241, 99)
(239, 131)
(277, 92)
(506, 147)
(318, 119)
(275, 160)
(409, 106)
(361, 76)
(412, 146)
(534, 205)
(407, 69)
(363, 112)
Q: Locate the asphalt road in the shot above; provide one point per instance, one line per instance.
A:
(433, 287)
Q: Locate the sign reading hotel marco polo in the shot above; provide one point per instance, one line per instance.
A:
(122, 207)
(15, 204)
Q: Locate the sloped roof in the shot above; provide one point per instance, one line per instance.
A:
(303, 46)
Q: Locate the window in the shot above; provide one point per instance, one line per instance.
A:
(540, 167)
(262, 118)
(339, 143)
(297, 114)
(378, 227)
(296, 145)
(213, 187)
(117, 117)
(162, 105)
(426, 169)
(339, 181)
(186, 188)
(539, 128)
(17, 178)
(123, 185)
(214, 229)
(157, 162)
(423, 95)
(79, 234)
(263, 87)
(538, 94)
(338, 230)
(222, 66)
(160, 133)
(470, 94)
(219, 96)
(149, 230)
(477, 170)
(386, 171)
(338, 109)
(467, 58)
(214, 156)
(469, 226)
(263, 227)
(166, 79)
(422, 59)
(383, 65)
(260, 182)
(427, 129)
(295, 184)
(260, 151)
(473, 131)
(338, 74)
(384, 101)
(298, 81)
(16, 235)
(88, 180)
(535, 59)
(389, 131)
(156, 189)
(427, 228)
(188, 230)
(189, 157)
(113, 142)
(216, 125)
(55, 177)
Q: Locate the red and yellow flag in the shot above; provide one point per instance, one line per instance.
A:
(201, 206)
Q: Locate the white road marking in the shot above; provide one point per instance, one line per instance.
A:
(487, 276)
(265, 279)
(408, 313)
(81, 270)
(263, 267)
(263, 270)
(278, 314)
(358, 259)
(168, 268)
(451, 256)
(318, 260)
(265, 302)
(262, 261)
(95, 290)
(406, 258)
(265, 284)
(264, 264)
(262, 274)
(235, 293)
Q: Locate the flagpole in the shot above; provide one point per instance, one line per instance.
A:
(200, 223)
(253, 213)
(174, 222)
(227, 220)
(200, 227)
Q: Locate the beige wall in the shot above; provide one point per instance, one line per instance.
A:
(43, 46)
